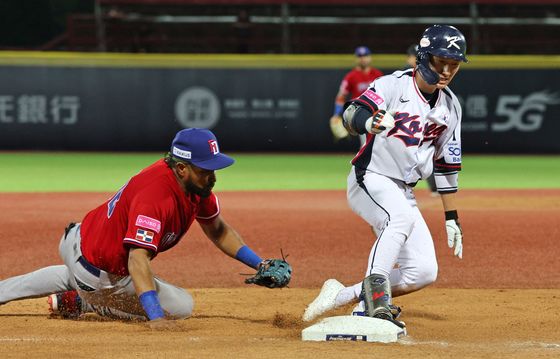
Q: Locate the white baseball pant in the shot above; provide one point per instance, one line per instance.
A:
(403, 251)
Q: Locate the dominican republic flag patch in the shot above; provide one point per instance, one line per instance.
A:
(144, 235)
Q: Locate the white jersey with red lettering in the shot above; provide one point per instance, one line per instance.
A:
(425, 132)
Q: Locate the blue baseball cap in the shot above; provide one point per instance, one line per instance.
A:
(362, 51)
(199, 147)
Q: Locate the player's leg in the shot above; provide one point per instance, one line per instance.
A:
(416, 267)
(390, 211)
(385, 206)
(175, 301)
(417, 262)
(114, 296)
(121, 301)
(39, 283)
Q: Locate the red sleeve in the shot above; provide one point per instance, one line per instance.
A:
(146, 218)
(209, 209)
(346, 83)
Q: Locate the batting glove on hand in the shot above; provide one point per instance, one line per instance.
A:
(454, 236)
(380, 121)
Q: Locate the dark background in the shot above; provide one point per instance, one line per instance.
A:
(257, 26)
(134, 109)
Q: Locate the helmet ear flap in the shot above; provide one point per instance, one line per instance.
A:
(423, 67)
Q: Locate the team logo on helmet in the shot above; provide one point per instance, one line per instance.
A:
(424, 42)
(452, 41)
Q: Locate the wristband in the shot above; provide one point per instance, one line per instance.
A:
(338, 109)
(451, 215)
(247, 256)
(150, 303)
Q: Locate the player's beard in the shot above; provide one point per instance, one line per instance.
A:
(200, 191)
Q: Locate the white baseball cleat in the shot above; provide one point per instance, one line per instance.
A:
(325, 301)
(359, 309)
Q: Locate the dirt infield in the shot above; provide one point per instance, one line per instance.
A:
(501, 300)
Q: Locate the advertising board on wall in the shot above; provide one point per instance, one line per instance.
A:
(140, 109)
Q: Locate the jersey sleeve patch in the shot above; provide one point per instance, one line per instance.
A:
(148, 223)
(452, 153)
(143, 238)
(374, 97)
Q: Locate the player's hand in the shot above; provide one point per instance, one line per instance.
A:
(337, 128)
(454, 236)
(380, 121)
(162, 324)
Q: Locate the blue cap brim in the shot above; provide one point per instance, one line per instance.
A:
(217, 162)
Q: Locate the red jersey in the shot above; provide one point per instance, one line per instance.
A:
(150, 211)
(356, 81)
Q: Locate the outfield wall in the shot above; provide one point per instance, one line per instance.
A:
(253, 103)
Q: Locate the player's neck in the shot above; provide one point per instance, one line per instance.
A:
(364, 69)
(423, 85)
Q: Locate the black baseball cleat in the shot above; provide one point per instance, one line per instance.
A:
(395, 311)
(360, 311)
(383, 313)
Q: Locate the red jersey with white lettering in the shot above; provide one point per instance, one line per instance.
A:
(151, 211)
(356, 81)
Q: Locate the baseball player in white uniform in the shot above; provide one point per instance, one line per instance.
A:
(413, 125)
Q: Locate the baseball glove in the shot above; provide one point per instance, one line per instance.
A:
(272, 273)
(337, 128)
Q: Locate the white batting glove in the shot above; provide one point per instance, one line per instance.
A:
(380, 121)
(454, 236)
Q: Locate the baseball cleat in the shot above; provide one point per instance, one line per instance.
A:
(325, 301)
(65, 304)
(385, 314)
(359, 310)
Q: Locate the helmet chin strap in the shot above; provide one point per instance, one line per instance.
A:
(423, 67)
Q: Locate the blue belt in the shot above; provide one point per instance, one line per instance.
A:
(89, 267)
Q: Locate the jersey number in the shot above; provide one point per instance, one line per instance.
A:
(113, 201)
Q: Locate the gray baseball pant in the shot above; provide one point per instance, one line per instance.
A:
(105, 293)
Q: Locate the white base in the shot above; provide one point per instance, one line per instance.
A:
(353, 328)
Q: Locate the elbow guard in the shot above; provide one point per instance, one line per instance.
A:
(347, 117)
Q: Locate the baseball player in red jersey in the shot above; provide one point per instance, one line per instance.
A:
(354, 84)
(107, 256)
(413, 124)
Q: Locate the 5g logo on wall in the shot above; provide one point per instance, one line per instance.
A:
(523, 114)
(197, 107)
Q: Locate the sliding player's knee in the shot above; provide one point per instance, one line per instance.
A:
(180, 307)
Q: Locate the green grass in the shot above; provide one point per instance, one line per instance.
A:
(59, 172)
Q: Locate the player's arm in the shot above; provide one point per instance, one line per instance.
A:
(335, 122)
(229, 241)
(341, 97)
(446, 181)
(140, 271)
(364, 115)
(446, 173)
